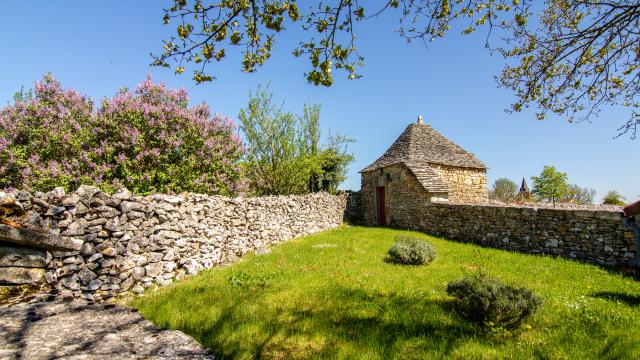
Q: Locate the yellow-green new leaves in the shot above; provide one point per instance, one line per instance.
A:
(206, 29)
(579, 59)
(185, 31)
(571, 58)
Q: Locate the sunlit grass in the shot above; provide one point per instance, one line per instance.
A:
(332, 295)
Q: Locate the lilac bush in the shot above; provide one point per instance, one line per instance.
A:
(148, 140)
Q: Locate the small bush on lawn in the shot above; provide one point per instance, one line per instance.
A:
(411, 251)
(485, 300)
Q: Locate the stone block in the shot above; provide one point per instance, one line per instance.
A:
(20, 256)
(21, 275)
(38, 240)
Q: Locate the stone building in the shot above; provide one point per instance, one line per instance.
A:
(420, 166)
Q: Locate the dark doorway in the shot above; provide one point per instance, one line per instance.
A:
(380, 206)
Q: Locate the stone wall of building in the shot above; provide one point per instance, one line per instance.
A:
(353, 210)
(466, 185)
(403, 193)
(123, 243)
(368, 183)
(592, 235)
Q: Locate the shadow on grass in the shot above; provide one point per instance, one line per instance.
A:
(624, 271)
(351, 322)
(394, 261)
(345, 323)
(629, 300)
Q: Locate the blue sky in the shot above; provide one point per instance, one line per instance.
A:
(98, 47)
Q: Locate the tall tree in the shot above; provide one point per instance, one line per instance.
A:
(284, 155)
(22, 95)
(579, 195)
(613, 198)
(573, 58)
(276, 163)
(334, 161)
(550, 185)
(504, 190)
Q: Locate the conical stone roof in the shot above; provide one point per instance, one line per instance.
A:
(419, 146)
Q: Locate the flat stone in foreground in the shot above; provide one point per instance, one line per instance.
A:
(78, 330)
(20, 275)
(36, 239)
(21, 256)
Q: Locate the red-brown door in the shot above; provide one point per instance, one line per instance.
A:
(382, 215)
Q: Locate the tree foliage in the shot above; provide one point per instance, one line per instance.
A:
(334, 161)
(23, 95)
(284, 155)
(577, 58)
(572, 58)
(504, 190)
(148, 140)
(550, 185)
(613, 198)
(579, 195)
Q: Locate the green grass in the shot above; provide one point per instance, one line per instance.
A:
(332, 295)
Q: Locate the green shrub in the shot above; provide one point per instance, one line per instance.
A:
(148, 140)
(485, 300)
(411, 251)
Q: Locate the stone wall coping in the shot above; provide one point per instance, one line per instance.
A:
(184, 197)
(580, 212)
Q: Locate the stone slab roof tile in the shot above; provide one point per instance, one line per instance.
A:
(429, 179)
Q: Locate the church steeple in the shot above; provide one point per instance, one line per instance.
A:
(524, 188)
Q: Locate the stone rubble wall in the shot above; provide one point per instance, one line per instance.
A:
(126, 243)
(597, 236)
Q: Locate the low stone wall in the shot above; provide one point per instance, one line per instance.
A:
(592, 235)
(124, 243)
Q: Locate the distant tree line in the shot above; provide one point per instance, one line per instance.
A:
(551, 185)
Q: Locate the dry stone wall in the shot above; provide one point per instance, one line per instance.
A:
(592, 235)
(124, 243)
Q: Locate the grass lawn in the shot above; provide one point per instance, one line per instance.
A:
(332, 295)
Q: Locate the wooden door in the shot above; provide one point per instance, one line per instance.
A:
(382, 215)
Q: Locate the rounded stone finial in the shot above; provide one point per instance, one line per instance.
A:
(420, 119)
